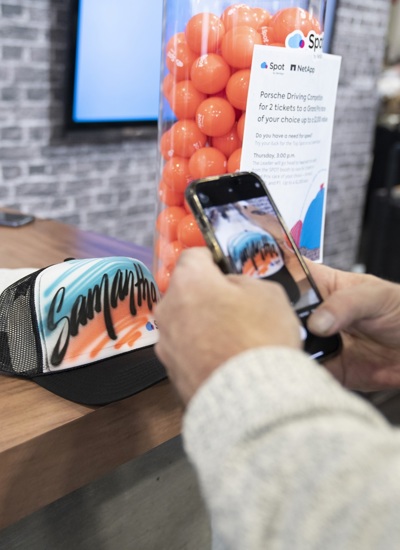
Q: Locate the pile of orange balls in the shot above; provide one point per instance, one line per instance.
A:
(206, 87)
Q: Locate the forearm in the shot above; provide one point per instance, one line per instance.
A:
(288, 459)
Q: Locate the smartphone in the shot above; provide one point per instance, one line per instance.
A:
(15, 219)
(246, 234)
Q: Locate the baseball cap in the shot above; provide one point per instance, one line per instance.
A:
(83, 329)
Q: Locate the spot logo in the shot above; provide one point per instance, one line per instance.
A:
(273, 66)
(297, 40)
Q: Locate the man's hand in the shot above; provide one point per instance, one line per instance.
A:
(207, 317)
(366, 310)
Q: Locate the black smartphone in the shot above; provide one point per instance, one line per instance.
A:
(15, 219)
(246, 234)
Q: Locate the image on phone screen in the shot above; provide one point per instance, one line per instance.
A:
(251, 237)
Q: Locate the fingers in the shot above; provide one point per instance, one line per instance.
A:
(349, 307)
(199, 254)
(324, 320)
(206, 317)
(197, 264)
(329, 280)
(339, 311)
(194, 277)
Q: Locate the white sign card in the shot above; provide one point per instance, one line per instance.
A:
(288, 135)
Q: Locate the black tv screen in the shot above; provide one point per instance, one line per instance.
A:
(116, 59)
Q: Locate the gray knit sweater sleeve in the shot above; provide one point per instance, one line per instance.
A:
(287, 459)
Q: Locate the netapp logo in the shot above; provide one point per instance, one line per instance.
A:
(302, 68)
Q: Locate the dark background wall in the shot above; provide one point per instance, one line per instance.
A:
(109, 187)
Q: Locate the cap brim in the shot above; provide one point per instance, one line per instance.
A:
(108, 380)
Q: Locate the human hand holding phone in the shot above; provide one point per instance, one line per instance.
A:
(366, 311)
(246, 234)
(205, 318)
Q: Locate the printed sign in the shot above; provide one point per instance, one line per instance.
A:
(288, 135)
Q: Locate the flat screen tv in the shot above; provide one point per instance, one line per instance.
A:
(116, 58)
(115, 63)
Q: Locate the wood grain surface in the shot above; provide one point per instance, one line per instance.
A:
(50, 446)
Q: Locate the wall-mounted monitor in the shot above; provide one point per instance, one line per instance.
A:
(115, 65)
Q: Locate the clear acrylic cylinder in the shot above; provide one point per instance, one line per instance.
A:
(205, 71)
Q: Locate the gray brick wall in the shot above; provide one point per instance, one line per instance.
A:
(109, 187)
(105, 185)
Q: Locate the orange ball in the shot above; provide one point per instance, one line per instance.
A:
(166, 148)
(238, 15)
(267, 35)
(227, 143)
(179, 57)
(186, 206)
(171, 252)
(220, 94)
(210, 73)
(204, 32)
(189, 233)
(288, 20)
(184, 99)
(167, 83)
(207, 162)
(240, 126)
(178, 38)
(159, 244)
(237, 89)
(316, 25)
(186, 138)
(168, 196)
(167, 222)
(234, 161)
(162, 278)
(238, 44)
(263, 17)
(215, 116)
(176, 173)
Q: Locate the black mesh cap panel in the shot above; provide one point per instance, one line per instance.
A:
(18, 349)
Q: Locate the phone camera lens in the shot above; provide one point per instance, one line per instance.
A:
(203, 198)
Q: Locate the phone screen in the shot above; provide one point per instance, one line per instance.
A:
(244, 223)
(252, 238)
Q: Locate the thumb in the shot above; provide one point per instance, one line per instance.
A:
(342, 309)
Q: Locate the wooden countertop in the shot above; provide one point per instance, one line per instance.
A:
(50, 446)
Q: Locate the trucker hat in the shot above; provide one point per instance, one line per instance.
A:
(83, 329)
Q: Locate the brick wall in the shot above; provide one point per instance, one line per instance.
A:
(109, 187)
(106, 187)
